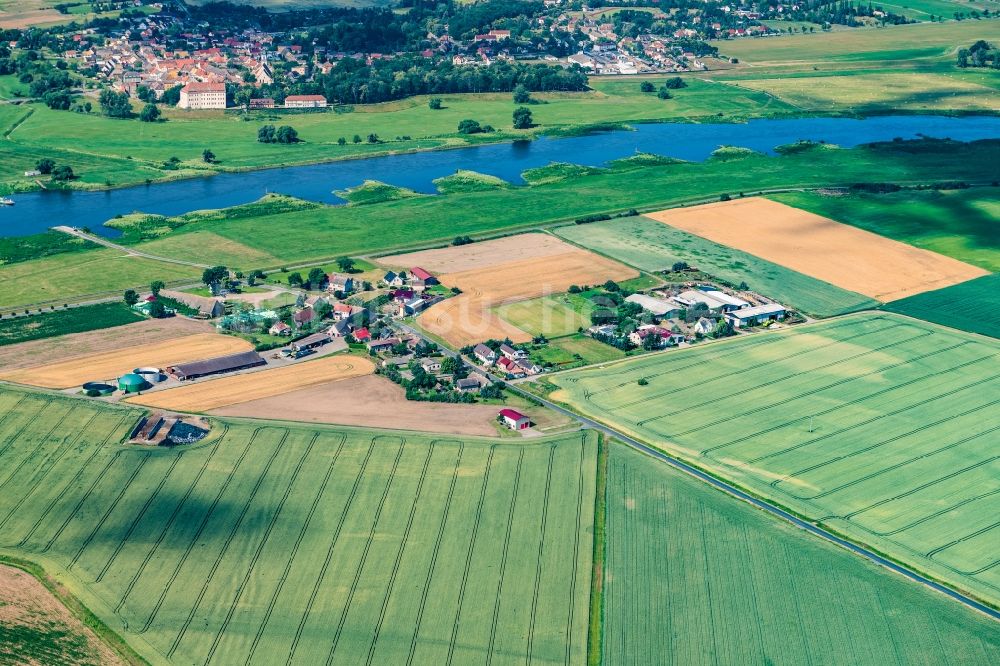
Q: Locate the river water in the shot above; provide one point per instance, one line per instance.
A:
(38, 211)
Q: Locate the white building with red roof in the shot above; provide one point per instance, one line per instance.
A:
(514, 419)
(203, 95)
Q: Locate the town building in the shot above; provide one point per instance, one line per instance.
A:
(305, 102)
(203, 95)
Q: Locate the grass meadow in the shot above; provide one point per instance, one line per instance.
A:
(61, 322)
(968, 306)
(693, 577)
(961, 224)
(652, 246)
(305, 545)
(874, 425)
(552, 316)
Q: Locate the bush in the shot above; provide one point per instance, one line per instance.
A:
(663, 93)
(150, 113)
(522, 118)
(63, 173)
(646, 87)
(521, 95)
(469, 126)
(675, 83)
(434, 103)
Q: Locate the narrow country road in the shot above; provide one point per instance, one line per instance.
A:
(73, 231)
(733, 490)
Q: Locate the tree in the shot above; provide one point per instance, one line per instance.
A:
(214, 275)
(646, 87)
(58, 100)
(373, 138)
(207, 156)
(469, 126)
(63, 173)
(357, 138)
(322, 309)
(345, 264)
(266, 134)
(131, 297)
(255, 275)
(157, 310)
(145, 94)
(115, 105)
(522, 118)
(155, 286)
(521, 95)
(679, 266)
(574, 289)
(172, 96)
(611, 285)
(295, 279)
(45, 166)
(663, 93)
(317, 276)
(286, 134)
(675, 83)
(150, 113)
(341, 141)
(434, 103)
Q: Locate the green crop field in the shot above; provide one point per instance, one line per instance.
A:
(551, 316)
(957, 223)
(880, 427)
(311, 545)
(693, 577)
(61, 322)
(652, 246)
(968, 306)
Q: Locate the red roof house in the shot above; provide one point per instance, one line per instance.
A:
(421, 274)
(514, 419)
(362, 334)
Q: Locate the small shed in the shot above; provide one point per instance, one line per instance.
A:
(514, 419)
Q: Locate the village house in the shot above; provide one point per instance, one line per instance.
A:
(420, 274)
(280, 328)
(467, 384)
(203, 95)
(664, 337)
(362, 335)
(382, 345)
(431, 364)
(208, 308)
(305, 102)
(704, 326)
(303, 317)
(484, 354)
(510, 367)
(527, 366)
(262, 103)
(514, 419)
(340, 328)
(393, 279)
(343, 311)
(509, 352)
(338, 282)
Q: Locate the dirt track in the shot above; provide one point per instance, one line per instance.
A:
(233, 389)
(468, 318)
(484, 254)
(837, 253)
(368, 402)
(40, 630)
(111, 365)
(50, 350)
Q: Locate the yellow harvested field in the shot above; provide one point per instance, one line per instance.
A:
(837, 253)
(468, 318)
(371, 401)
(233, 389)
(484, 254)
(111, 365)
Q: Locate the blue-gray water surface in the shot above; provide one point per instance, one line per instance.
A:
(36, 211)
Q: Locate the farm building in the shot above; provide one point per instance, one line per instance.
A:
(514, 419)
(132, 383)
(658, 306)
(756, 315)
(383, 345)
(215, 366)
(691, 296)
(420, 274)
(310, 342)
(730, 303)
(207, 307)
(412, 306)
(467, 384)
(485, 355)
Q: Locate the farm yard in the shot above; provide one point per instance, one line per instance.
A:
(367, 401)
(233, 389)
(693, 577)
(67, 373)
(968, 306)
(842, 255)
(469, 318)
(652, 246)
(878, 426)
(305, 544)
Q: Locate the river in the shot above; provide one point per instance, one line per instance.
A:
(37, 211)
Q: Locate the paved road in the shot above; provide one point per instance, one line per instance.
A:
(737, 493)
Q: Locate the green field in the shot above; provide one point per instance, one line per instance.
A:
(653, 246)
(968, 306)
(694, 577)
(61, 322)
(878, 426)
(957, 223)
(552, 316)
(307, 544)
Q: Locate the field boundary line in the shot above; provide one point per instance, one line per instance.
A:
(201, 528)
(329, 552)
(41, 441)
(295, 549)
(170, 521)
(225, 546)
(263, 543)
(368, 544)
(503, 557)
(468, 557)
(434, 554)
(539, 561)
(76, 477)
(576, 559)
(139, 516)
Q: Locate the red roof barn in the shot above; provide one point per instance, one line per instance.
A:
(514, 419)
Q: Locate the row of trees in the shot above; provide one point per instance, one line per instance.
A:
(283, 134)
(980, 54)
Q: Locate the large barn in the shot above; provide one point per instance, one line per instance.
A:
(215, 366)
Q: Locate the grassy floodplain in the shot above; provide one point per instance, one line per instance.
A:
(693, 577)
(968, 306)
(318, 233)
(957, 223)
(651, 246)
(319, 543)
(875, 425)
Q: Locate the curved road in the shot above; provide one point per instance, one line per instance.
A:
(735, 492)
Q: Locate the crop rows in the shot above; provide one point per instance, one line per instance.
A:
(692, 577)
(306, 545)
(879, 426)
